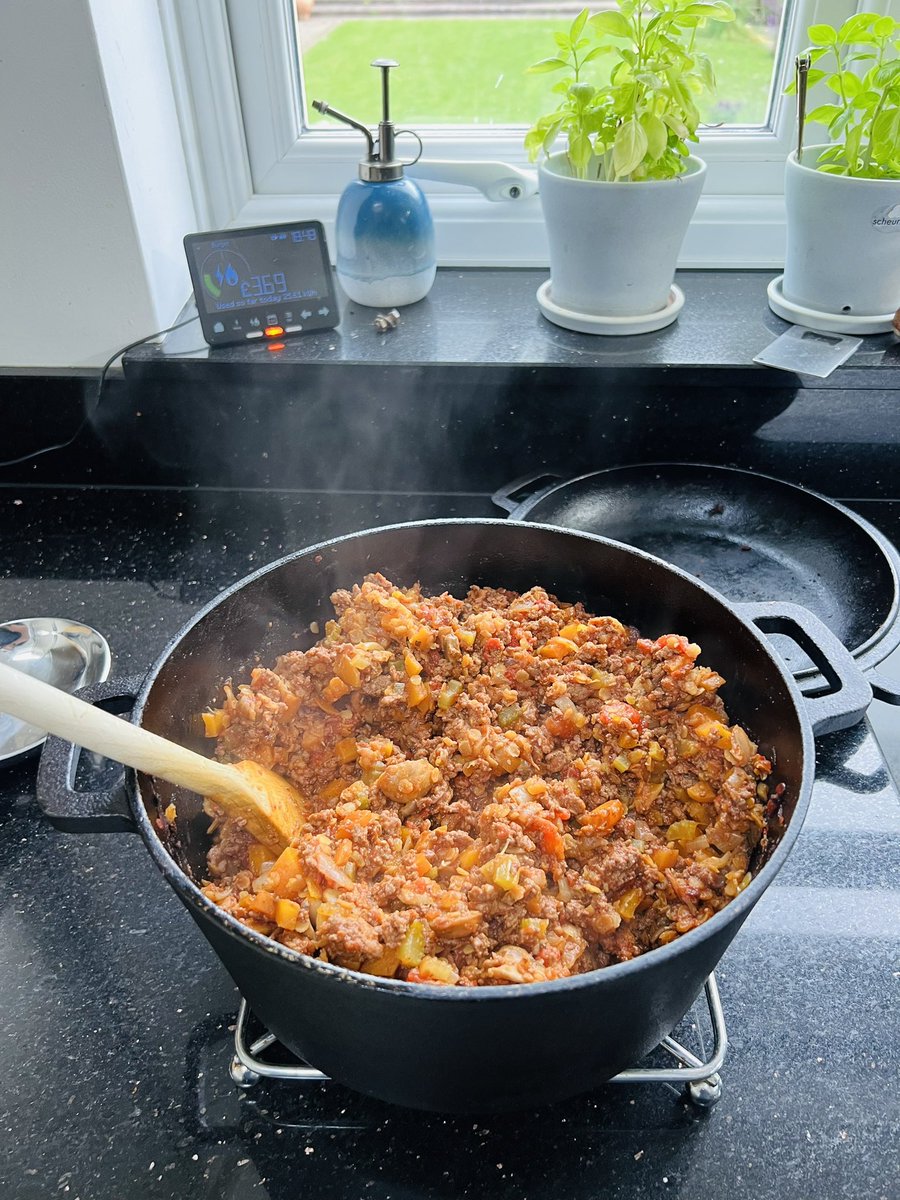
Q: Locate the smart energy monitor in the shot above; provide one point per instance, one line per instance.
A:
(263, 283)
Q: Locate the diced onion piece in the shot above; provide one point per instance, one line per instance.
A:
(456, 924)
(287, 913)
(622, 763)
(626, 905)
(437, 970)
(509, 716)
(701, 813)
(258, 854)
(449, 693)
(534, 927)
(576, 629)
(170, 813)
(682, 831)
(411, 950)
(386, 965)
(505, 872)
(701, 791)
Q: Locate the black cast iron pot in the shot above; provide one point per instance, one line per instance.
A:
(486, 1048)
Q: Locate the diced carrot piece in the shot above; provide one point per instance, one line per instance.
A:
(335, 689)
(214, 723)
(286, 913)
(605, 817)
(346, 750)
(343, 852)
(284, 870)
(345, 669)
(664, 857)
(423, 865)
(558, 647)
(468, 858)
(416, 691)
(550, 837)
(259, 902)
(332, 790)
(574, 630)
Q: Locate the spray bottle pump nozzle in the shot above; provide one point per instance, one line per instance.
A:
(380, 163)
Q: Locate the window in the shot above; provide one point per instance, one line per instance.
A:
(245, 71)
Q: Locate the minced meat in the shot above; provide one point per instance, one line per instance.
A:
(499, 789)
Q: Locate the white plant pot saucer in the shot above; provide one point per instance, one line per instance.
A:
(799, 314)
(610, 326)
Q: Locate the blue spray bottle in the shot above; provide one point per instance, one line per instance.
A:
(384, 235)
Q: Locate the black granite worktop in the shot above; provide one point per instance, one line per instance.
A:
(115, 1014)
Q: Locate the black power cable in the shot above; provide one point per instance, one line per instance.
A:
(14, 462)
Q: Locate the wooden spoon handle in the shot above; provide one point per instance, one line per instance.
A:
(56, 711)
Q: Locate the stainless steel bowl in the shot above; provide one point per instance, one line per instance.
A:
(60, 652)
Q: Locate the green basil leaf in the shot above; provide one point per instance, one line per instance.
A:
(888, 74)
(578, 24)
(596, 53)
(824, 114)
(629, 147)
(546, 65)
(657, 135)
(885, 27)
(856, 27)
(613, 24)
(821, 35)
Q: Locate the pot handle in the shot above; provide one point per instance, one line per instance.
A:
(847, 703)
(883, 688)
(508, 498)
(87, 812)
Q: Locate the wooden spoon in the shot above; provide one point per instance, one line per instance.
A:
(271, 808)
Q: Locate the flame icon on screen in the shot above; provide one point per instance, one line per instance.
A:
(229, 276)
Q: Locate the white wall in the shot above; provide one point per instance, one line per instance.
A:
(91, 220)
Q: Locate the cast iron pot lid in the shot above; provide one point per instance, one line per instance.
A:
(750, 536)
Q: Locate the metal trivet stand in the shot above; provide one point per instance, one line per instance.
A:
(699, 1079)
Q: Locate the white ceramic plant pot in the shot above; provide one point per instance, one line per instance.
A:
(614, 246)
(843, 241)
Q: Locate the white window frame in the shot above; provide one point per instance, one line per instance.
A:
(238, 85)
